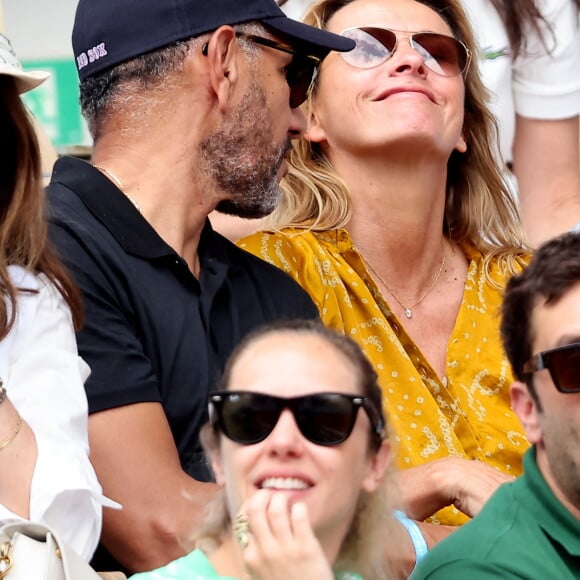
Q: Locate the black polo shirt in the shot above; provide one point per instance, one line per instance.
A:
(153, 332)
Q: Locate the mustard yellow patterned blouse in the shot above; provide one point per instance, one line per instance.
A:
(465, 414)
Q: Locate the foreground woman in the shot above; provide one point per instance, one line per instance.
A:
(297, 440)
(400, 227)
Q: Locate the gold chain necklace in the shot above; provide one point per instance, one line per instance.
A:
(115, 179)
(408, 310)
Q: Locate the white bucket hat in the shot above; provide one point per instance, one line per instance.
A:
(10, 65)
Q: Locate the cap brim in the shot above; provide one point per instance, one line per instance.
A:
(318, 41)
(25, 80)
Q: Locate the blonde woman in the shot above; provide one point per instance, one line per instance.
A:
(529, 55)
(397, 222)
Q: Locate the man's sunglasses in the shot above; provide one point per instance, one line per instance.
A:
(443, 54)
(564, 366)
(323, 418)
(300, 73)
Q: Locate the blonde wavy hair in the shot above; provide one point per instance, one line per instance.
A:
(480, 210)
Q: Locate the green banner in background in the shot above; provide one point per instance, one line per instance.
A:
(55, 104)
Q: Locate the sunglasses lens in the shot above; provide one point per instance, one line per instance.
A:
(326, 419)
(299, 75)
(373, 46)
(564, 366)
(247, 418)
(443, 54)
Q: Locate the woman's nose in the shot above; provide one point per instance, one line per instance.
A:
(406, 58)
(286, 438)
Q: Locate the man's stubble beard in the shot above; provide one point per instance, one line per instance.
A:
(243, 160)
(562, 448)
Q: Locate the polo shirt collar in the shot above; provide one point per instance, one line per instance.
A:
(548, 511)
(124, 221)
(112, 208)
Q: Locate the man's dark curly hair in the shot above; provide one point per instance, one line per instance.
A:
(553, 271)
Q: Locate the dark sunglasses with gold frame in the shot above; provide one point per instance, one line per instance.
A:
(563, 364)
(300, 73)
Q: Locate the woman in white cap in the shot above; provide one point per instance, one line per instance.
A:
(45, 472)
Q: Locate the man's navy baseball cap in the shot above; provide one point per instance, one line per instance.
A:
(109, 32)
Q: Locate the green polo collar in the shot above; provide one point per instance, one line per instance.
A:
(551, 515)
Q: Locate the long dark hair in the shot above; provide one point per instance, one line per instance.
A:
(23, 226)
(519, 16)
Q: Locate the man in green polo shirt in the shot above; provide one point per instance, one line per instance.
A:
(530, 529)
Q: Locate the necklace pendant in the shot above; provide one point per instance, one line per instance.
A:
(408, 313)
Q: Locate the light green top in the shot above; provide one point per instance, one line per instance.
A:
(196, 566)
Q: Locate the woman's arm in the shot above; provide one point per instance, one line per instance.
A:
(17, 459)
(44, 377)
(546, 158)
(546, 89)
(465, 483)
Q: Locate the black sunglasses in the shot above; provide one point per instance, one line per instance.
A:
(444, 55)
(564, 366)
(323, 418)
(300, 73)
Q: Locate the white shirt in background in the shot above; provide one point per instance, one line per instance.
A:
(44, 379)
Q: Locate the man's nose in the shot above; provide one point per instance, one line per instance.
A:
(297, 123)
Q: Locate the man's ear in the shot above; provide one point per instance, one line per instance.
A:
(223, 62)
(378, 467)
(526, 408)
